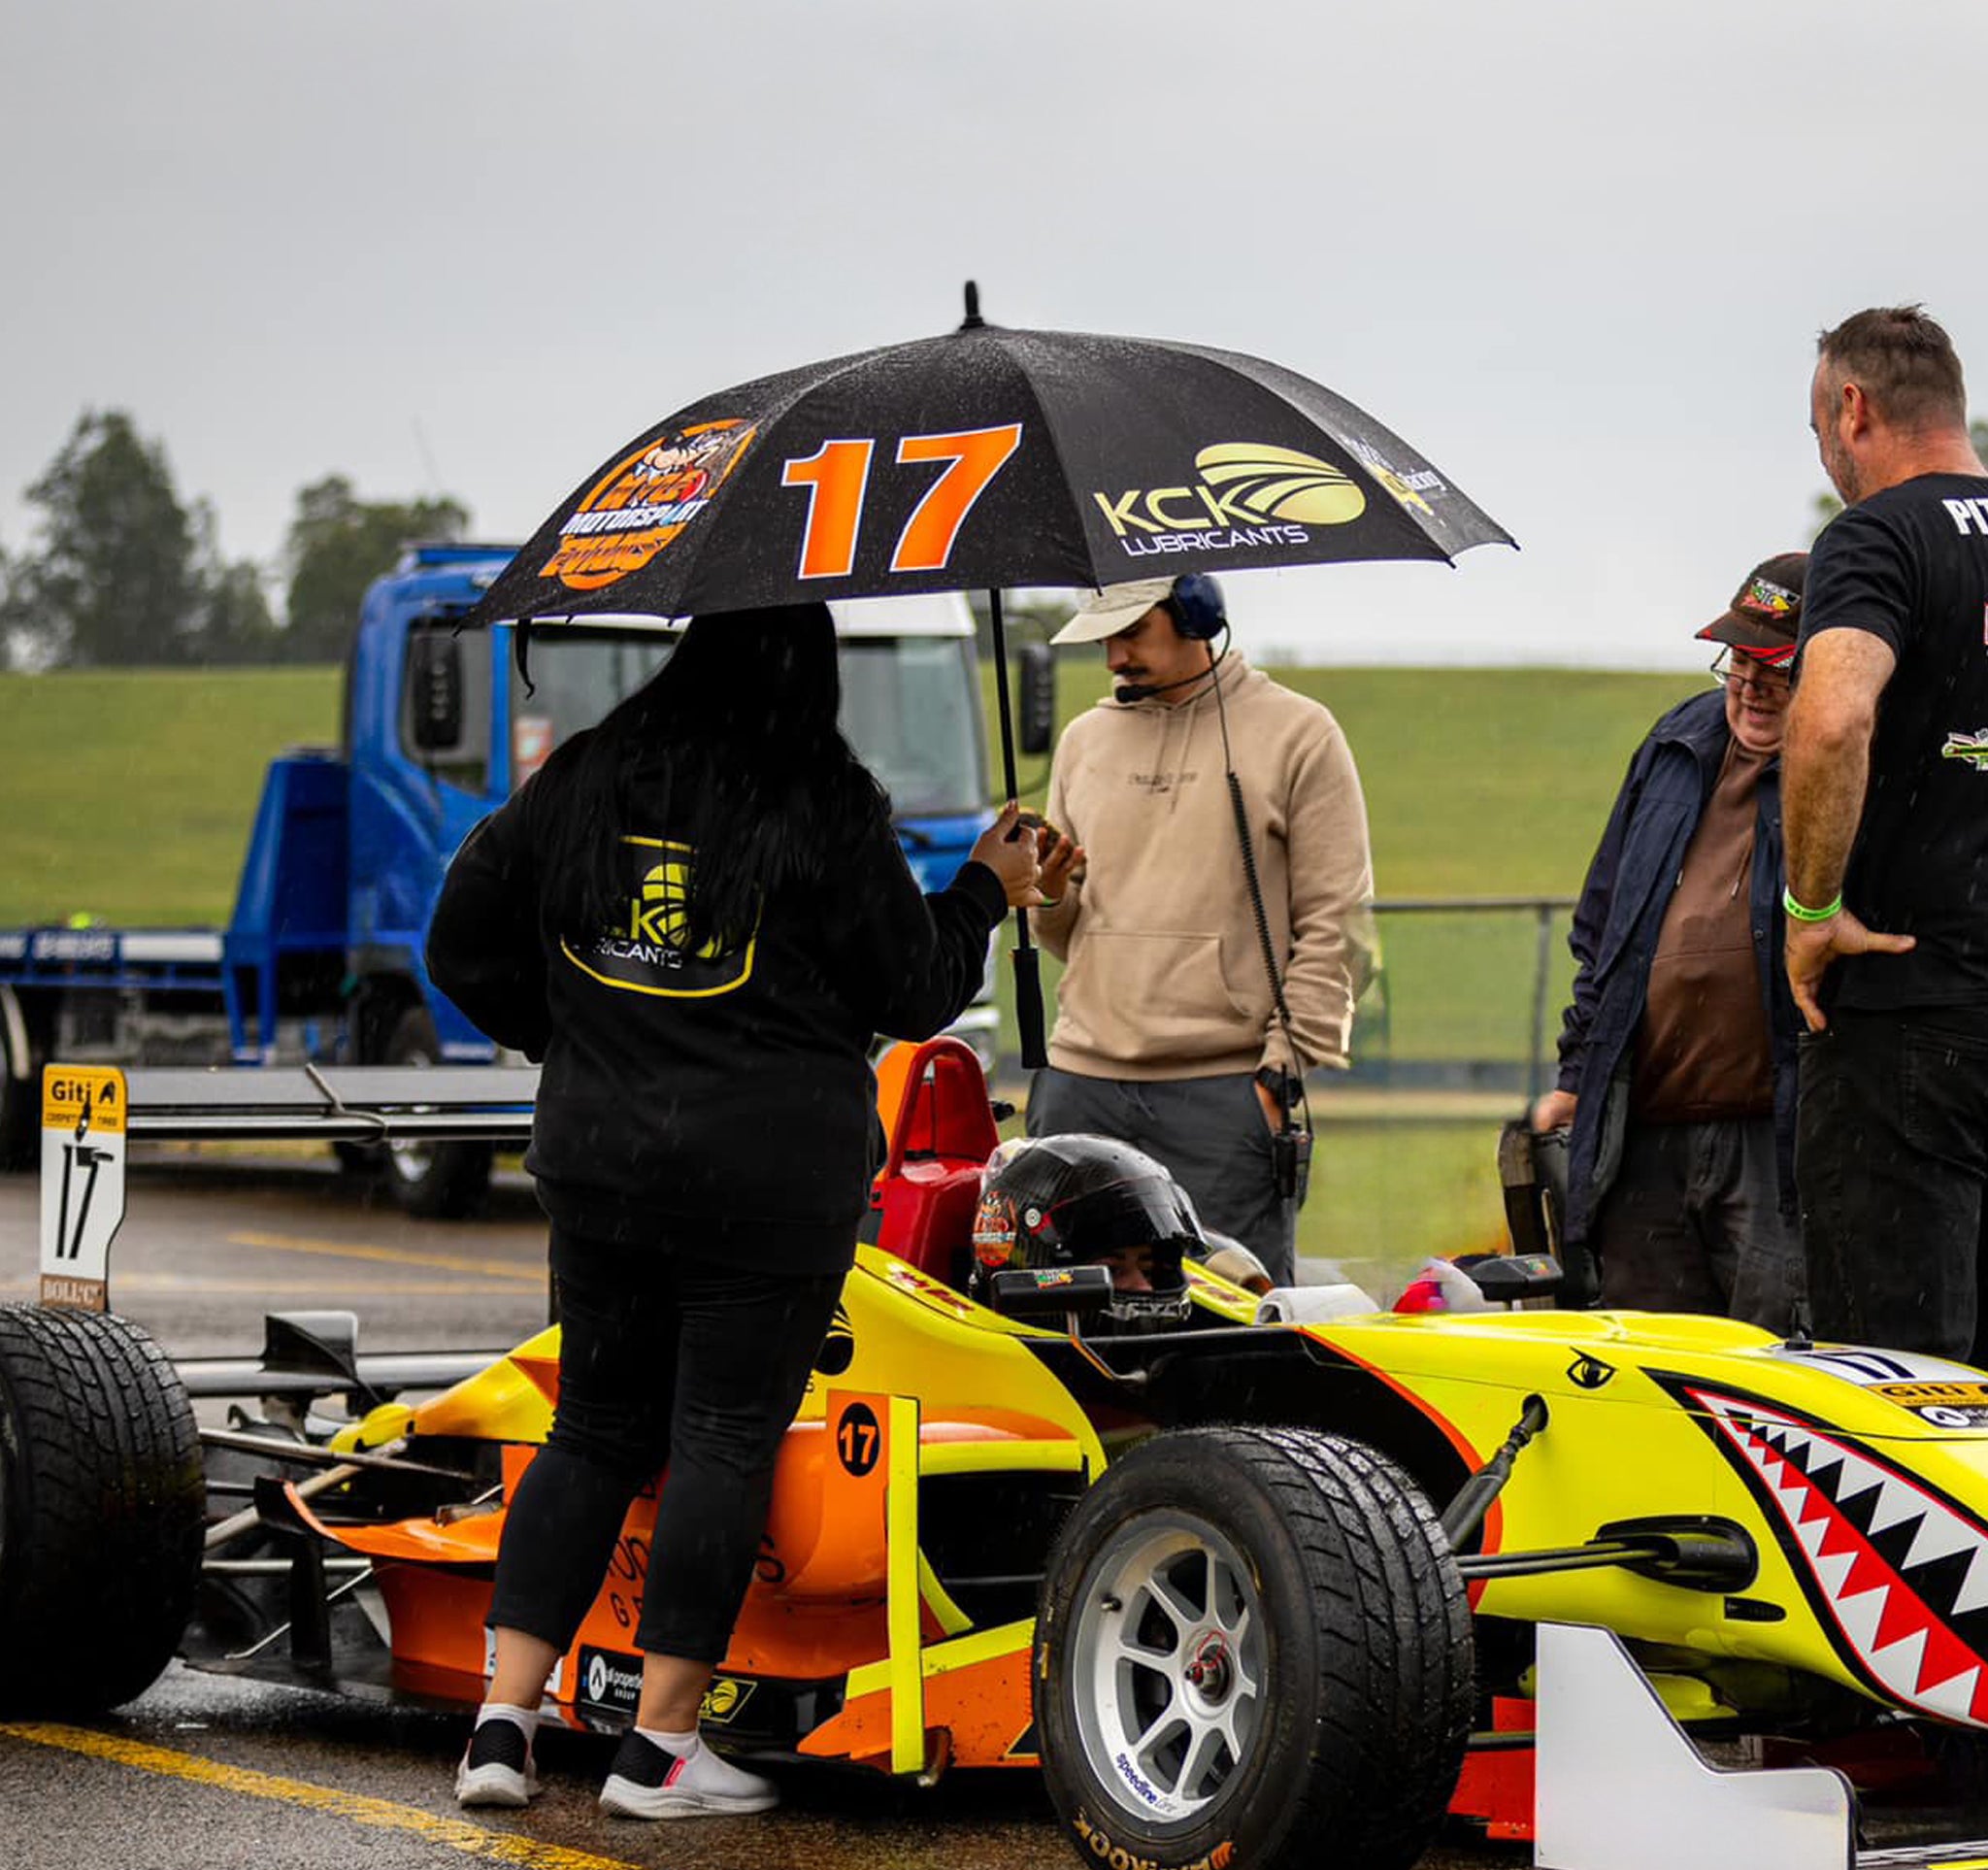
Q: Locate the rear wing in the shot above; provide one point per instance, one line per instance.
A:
(90, 1112)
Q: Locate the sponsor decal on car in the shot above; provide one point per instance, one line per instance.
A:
(610, 1679)
(724, 1699)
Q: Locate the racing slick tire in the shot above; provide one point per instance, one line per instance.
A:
(434, 1181)
(101, 1499)
(1253, 1646)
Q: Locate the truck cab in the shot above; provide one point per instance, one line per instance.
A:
(322, 960)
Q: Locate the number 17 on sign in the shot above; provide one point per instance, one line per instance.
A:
(82, 1182)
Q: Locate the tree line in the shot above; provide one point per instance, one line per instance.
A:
(122, 571)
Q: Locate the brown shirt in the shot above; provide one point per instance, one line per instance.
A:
(1702, 1053)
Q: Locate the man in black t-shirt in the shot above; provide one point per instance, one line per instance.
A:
(1885, 793)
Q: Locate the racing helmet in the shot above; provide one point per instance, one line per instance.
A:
(1053, 1201)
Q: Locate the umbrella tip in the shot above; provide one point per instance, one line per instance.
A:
(973, 321)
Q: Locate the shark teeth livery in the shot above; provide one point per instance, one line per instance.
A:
(1897, 1573)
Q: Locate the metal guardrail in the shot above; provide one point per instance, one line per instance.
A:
(1546, 911)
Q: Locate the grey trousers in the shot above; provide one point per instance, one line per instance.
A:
(1693, 1224)
(1211, 1134)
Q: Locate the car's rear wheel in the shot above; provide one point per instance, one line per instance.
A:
(1253, 1639)
(20, 1087)
(101, 1497)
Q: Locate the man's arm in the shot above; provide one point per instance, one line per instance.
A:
(1331, 869)
(1825, 768)
(1584, 939)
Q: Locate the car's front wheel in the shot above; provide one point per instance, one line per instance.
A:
(101, 1497)
(1251, 1641)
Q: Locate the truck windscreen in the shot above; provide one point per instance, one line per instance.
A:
(910, 708)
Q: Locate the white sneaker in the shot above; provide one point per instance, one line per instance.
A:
(649, 1782)
(497, 1767)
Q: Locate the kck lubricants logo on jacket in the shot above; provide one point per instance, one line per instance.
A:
(1245, 493)
(641, 503)
(649, 951)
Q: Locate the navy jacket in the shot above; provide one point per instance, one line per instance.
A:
(1614, 936)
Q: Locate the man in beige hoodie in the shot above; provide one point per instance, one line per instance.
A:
(1169, 1031)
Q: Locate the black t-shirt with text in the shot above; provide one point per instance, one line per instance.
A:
(1910, 566)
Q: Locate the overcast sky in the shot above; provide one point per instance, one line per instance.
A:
(1577, 254)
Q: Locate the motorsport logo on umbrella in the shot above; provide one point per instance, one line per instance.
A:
(986, 458)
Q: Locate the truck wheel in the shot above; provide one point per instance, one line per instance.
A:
(437, 1180)
(21, 1088)
(1253, 1646)
(101, 1498)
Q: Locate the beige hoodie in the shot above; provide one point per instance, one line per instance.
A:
(1165, 975)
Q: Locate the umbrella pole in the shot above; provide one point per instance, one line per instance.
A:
(1028, 979)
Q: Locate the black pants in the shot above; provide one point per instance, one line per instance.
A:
(665, 1355)
(1693, 1222)
(1891, 1156)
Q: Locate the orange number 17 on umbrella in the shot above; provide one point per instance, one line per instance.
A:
(836, 476)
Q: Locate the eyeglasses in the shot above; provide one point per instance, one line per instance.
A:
(1737, 670)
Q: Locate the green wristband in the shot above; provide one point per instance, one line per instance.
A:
(1803, 913)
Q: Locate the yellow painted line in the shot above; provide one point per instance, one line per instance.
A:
(392, 1255)
(454, 1834)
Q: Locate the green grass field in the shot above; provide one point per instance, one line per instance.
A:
(1478, 783)
(128, 797)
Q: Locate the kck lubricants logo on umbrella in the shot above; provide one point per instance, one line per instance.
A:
(1246, 493)
(641, 503)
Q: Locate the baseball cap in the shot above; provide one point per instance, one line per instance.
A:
(1766, 612)
(1117, 607)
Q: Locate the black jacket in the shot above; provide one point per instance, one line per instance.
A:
(1615, 938)
(731, 1086)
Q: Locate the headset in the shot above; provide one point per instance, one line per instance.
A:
(1196, 602)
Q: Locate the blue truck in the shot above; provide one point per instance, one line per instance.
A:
(320, 961)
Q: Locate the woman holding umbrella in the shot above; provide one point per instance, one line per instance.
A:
(698, 916)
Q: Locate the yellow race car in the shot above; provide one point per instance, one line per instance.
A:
(1232, 1586)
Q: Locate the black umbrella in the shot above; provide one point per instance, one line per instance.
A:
(984, 459)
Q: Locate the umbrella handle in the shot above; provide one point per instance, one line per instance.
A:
(1028, 979)
(1028, 1000)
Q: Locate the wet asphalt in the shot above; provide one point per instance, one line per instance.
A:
(210, 1772)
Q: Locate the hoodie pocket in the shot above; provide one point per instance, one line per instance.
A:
(1153, 997)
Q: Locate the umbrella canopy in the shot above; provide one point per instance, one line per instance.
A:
(986, 458)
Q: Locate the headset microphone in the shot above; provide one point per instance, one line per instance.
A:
(1133, 691)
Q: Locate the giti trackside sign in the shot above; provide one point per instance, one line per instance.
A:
(82, 1182)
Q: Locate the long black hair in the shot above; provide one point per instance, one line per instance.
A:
(733, 748)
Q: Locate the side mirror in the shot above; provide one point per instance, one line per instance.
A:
(1034, 680)
(435, 686)
(1050, 1292)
